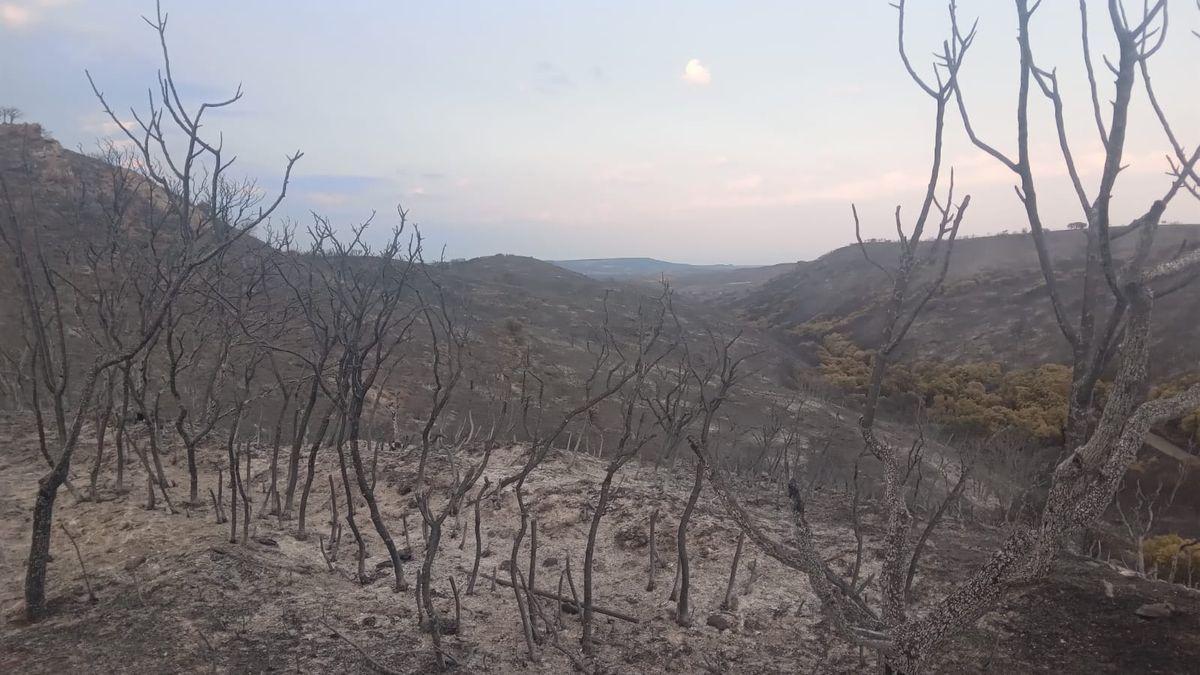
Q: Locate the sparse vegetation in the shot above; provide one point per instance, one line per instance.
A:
(972, 398)
(849, 460)
(1173, 558)
(1187, 427)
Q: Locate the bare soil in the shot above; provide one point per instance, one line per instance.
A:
(174, 595)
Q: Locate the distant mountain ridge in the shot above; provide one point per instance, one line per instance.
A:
(701, 282)
(613, 268)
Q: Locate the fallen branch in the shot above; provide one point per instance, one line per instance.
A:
(87, 582)
(568, 601)
(375, 665)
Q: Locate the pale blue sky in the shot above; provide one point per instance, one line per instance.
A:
(568, 129)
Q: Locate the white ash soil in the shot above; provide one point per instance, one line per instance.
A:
(175, 596)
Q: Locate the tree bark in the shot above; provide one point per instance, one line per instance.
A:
(682, 613)
(312, 471)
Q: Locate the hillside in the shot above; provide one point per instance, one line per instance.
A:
(173, 589)
(521, 312)
(993, 306)
(170, 585)
(727, 285)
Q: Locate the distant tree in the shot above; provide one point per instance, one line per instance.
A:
(10, 115)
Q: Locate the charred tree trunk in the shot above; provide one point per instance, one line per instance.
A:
(298, 433)
(424, 584)
(102, 421)
(650, 575)
(682, 613)
(362, 547)
(522, 609)
(233, 517)
(364, 487)
(478, 536)
(119, 436)
(730, 602)
(43, 512)
(308, 479)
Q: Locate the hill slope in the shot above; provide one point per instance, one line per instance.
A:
(993, 306)
(173, 589)
(519, 309)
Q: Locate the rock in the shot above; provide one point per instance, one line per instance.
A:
(404, 554)
(1108, 589)
(551, 561)
(755, 623)
(134, 563)
(369, 621)
(1128, 573)
(1157, 610)
(505, 565)
(385, 564)
(267, 541)
(722, 621)
(633, 535)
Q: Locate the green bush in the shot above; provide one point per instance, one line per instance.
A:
(1187, 427)
(843, 364)
(1160, 552)
(980, 397)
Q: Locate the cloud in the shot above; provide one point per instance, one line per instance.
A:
(14, 16)
(20, 14)
(104, 126)
(330, 191)
(848, 89)
(746, 183)
(549, 79)
(696, 73)
(338, 183)
(629, 173)
(748, 191)
(327, 199)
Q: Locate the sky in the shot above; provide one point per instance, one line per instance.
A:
(702, 131)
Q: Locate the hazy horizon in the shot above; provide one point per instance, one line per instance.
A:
(691, 132)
